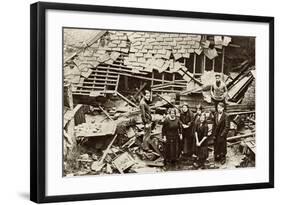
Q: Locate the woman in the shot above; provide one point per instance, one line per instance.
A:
(186, 118)
(171, 132)
(201, 140)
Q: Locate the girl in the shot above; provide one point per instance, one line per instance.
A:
(201, 140)
(186, 118)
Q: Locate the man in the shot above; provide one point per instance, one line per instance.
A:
(220, 131)
(146, 119)
(218, 91)
(186, 118)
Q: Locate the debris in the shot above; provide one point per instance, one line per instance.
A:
(211, 53)
(240, 136)
(163, 98)
(108, 169)
(239, 87)
(95, 129)
(226, 40)
(156, 163)
(140, 90)
(98, 165)
(126, 99)
(190, 76)
(105, 113)
(123, 162)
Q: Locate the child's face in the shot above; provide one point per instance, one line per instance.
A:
(147, 96)
(220, 109)
(202, 118)
(173, 114)
(184, 108)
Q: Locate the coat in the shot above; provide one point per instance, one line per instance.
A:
(202, 131)
(188, 139)
(172, 130)
(220, 131)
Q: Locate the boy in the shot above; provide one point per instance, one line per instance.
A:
(220, 131)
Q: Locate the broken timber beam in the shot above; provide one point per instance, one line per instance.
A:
(189, 75)
(241, 113)
(106, 113)
(240, 136)
(139, 91)
(98, 165)
(167, 101)
(126, 99)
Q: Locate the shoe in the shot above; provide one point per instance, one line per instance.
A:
(196, 165)
(223, 161)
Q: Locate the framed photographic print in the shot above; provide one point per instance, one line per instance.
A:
(129, 102)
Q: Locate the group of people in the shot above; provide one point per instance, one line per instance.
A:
(186, 135)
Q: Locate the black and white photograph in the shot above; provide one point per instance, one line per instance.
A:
(147, 102)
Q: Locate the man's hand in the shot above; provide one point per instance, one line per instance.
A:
(164, 138)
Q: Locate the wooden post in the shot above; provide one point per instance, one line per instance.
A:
(204, 37)
(152, 79)
(204, 64)
(163, 80)
(194, 63)
(70, 127)
(70, 96)
(222, 61)
(213, 65)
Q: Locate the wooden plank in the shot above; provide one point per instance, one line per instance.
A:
(241, 113)
(103, 76)
(97, 166)
(117, 84)
(194, 63)
(244, 68)
(251, 147)
(194, 79)
(126, 99)
(167, 91)
(240, 136)
(106, 113)
(222, 60)
(144, 78)
(140, 90)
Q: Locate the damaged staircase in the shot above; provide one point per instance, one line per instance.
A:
(101, 82)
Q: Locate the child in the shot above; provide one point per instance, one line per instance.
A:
(220, 131)
(186, 118)
(201, 140)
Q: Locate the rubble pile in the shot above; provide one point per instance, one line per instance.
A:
(121, 150)
(106, 77)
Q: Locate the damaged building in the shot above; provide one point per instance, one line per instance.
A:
(106, 73)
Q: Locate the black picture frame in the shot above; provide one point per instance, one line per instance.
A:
(38, 100)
